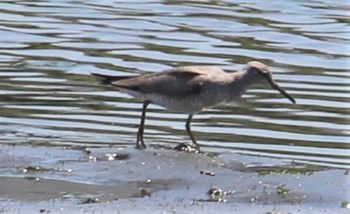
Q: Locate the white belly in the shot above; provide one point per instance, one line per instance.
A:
(186, 104)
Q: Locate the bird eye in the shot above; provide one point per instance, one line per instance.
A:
(261, 72)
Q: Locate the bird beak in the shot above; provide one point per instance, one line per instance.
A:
(280, 89)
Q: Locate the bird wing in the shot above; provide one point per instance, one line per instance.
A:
(181, 81)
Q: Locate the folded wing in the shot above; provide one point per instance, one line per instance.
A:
(182, 81)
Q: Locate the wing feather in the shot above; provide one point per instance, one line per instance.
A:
(180, 81)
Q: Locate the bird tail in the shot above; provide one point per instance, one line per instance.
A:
(108, 79)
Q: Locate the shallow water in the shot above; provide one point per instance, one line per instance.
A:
(49, 48)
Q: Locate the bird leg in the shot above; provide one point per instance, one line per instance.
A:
(189, 132)
(141, 127)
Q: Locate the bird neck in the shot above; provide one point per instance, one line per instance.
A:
(240, 83)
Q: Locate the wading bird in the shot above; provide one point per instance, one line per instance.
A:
(191, 89)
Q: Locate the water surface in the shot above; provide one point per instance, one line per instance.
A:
(49, 48)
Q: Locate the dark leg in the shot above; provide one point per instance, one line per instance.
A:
(189, 132)
(141, 127)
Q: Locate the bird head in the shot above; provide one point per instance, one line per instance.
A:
(262, 74)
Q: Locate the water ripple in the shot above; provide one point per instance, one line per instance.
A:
(49, 48)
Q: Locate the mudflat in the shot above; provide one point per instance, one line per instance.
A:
(40, 179)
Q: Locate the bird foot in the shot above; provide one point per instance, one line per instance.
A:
(140, 146)
(185, 147)
(139, 141)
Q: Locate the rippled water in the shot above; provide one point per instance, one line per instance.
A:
(49, 48)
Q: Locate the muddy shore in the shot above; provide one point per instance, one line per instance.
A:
(159, 180)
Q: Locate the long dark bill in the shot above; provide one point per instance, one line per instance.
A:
(281, 90)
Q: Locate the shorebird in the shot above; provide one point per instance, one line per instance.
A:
(191, 89)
